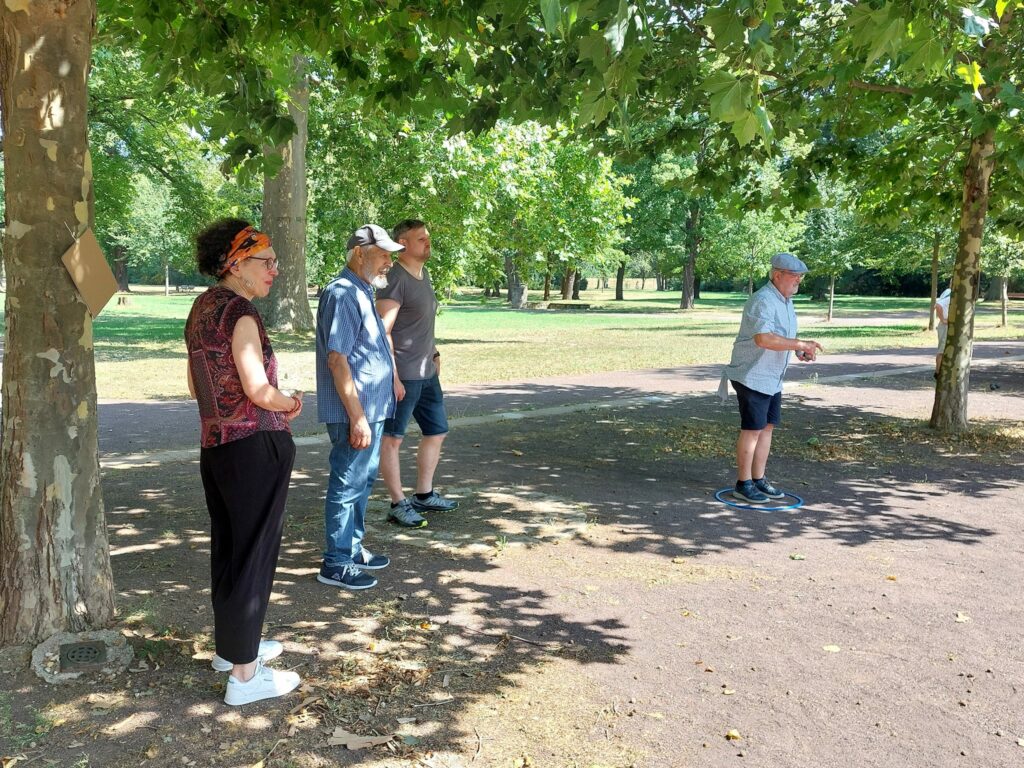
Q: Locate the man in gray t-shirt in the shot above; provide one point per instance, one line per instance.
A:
(408, 308)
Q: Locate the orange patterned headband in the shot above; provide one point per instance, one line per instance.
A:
(248, 242)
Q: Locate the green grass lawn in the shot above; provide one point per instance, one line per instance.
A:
(140, 351)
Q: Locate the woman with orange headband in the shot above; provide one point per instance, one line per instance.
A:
(247, 451)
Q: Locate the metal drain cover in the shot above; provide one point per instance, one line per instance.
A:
(82, 657)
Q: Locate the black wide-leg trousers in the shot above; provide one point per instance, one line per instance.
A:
(246, 483)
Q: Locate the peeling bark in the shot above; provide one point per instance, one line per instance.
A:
(949, 413)
(54, 558)
(284, 219)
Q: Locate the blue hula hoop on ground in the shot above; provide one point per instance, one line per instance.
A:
(720, 496)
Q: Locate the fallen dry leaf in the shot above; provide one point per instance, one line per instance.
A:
(831, 648)
(890, 577)
(103, 700)
(962, 618)
(733, 735)
(342, 738)
(516, 453)
(797, 556)
(727, 692)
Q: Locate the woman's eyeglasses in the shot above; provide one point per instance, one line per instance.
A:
(269, 263)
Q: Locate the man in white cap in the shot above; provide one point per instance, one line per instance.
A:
(760, 354)
(354, 395)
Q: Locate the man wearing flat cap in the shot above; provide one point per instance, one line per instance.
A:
(355, 394)
(760, 355)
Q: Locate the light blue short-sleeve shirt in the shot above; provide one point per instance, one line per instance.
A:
(347, 323)
(766, 311)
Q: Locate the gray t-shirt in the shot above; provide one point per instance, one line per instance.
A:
(413, 332)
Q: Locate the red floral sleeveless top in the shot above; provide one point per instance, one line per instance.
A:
(225, 412)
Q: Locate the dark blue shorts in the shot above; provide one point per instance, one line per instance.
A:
(423, 401)
(757, 410)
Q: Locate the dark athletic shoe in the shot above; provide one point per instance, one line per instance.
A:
(747, 491)
(769, 490)
(367, 561)
(345, 576)
(404, 515)
(435, 502)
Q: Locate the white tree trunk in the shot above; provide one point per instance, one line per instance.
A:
(54, 558)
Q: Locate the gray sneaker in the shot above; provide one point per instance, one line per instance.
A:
(435, 502)
(404, 515)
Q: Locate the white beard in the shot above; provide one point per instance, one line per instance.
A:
(379, 282)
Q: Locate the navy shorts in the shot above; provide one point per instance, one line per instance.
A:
(423, 401)
(757, 410)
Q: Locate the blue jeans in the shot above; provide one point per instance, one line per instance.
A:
(348, 489)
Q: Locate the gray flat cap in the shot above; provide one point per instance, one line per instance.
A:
(788, 262)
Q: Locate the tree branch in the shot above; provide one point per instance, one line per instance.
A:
(883, 88)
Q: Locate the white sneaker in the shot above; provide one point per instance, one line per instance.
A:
(265, 684)
(269, 649)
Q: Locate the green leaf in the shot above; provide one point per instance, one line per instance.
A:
(551, 10)
(745, 129)
(888, 38)
(725, 24)
(764, 121)
(773, 8)
(729, 96)
(615, 32)
(929, 55)
(595, 48)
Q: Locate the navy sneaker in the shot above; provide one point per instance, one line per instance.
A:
(768, 489)
(435, 502)
(746, 491)
(347, 576)
(404, 515)
(367, 561)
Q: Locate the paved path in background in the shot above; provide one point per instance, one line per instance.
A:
(148, 426)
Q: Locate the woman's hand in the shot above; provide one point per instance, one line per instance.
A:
(294, 413)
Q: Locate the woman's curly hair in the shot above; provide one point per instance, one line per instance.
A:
(213, 242)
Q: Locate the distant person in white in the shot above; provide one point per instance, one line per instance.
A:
(942, 315)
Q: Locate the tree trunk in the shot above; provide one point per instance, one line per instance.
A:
(693, 245)
(643, 280)
(516, 288)
(750, 284)
(1004, 301)
(936, 250)
(55, 572)
(284, 219)
(831, 297)
(659, 282)
(121, 269)
(567, 281)
(995, 288)
(547, 283)
(949, 413)
(577, 280)
(167, 277)
(620, 280)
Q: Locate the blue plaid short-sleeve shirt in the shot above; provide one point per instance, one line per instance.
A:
(347, 323)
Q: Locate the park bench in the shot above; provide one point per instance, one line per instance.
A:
(184, 288)
(568, 305)
(1015, 296)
